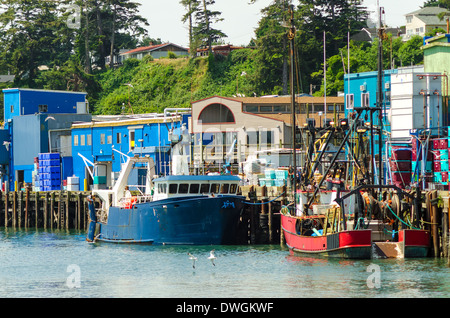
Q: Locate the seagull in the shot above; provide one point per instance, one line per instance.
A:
(193, 258)
(6, 144)
(212, 257)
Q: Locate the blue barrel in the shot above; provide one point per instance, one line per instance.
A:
(93, 220)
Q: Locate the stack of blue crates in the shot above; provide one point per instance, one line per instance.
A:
(49, 171)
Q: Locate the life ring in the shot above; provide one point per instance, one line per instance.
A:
(129, 202)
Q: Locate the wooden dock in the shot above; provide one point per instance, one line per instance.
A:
(48, 210)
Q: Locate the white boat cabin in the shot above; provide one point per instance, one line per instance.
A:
(176, 186)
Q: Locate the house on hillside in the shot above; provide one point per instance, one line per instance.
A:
(423, 21)
(224, 50)
(370, 34)
(156, 51)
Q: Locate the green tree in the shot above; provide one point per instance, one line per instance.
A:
(203, 30)
(272, 49)
(32, 34)
(191, 7)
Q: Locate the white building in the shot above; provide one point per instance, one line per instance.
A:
(416, 103)
(423, 21)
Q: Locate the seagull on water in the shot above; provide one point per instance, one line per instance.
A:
(193, 258)
(212, 257)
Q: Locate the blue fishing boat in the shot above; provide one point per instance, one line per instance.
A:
(176, 209)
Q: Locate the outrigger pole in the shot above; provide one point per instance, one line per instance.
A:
(291, 37)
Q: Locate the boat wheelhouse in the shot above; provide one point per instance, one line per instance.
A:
(193, 185)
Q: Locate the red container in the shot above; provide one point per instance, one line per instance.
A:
(436, 166)
(436, 144)
(401, 154)
(401, 177)
(398, 165)
(444, 143)
(445, 176)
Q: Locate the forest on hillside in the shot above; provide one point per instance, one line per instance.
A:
(65, 45)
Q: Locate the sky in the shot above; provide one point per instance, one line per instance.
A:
(241, 18)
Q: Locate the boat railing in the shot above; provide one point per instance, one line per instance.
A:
(129, 202)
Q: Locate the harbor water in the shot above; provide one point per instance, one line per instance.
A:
(63, 265)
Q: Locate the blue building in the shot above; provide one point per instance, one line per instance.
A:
(37, 121)
(101, 146)
(21, 101)
(361, 90)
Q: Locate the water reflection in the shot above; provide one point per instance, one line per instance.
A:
(34, 264)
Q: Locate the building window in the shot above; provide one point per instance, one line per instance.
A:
(365, 100)
(12, 109)
(132, 136)
(409, 19)
(82, 140)
(109, 139)
(89, 140)
(350, 101)
(216, 113)
(265, 109)
(102, 139)
(75, 140)
(252, 138)
(279, 109)
(118, 138)
(251, 109)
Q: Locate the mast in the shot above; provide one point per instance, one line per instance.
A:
(380, 96)
(291, 37)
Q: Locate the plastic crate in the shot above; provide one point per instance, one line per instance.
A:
(49, 156)
(51, 169)
(52, 182)
(270, 174)
(281, 174)
(51, 188)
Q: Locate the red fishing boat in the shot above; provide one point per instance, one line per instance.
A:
(316, 235)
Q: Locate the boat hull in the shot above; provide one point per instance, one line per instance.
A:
(415, 243)
(356, 244)
(198, 220)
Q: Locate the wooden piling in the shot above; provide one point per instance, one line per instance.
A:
(434, 224)
(45, 221)
(52, 208)
(269, 221)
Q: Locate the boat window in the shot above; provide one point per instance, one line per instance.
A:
(183, 188)
(194, 188)
(204, 188)
(233, 188)
(215, 187)
(173, 188)
(162, 188)
(224, 188)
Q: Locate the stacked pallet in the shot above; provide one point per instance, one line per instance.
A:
(400, 164)
(49, 171)
(440, 160)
